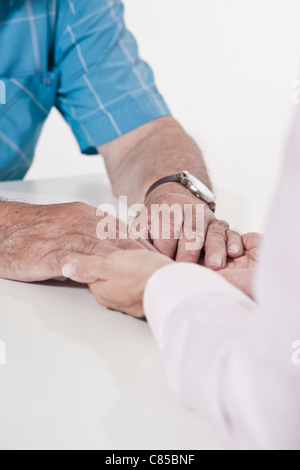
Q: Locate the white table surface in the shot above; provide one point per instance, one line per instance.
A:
(78, 376)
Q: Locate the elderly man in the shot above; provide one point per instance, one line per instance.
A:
(78, 56)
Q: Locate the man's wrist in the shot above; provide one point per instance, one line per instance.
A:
(188, 184)
(167, 188)
(171, 188)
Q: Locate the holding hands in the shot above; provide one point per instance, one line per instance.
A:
(118, 281)
(193, 220)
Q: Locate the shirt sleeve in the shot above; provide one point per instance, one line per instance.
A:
(196, 317)
(233, 360)
(105, 89)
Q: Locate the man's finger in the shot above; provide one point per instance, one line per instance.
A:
(166, 247)
(86, 269)
(190, 247)
(130, 244)
(139, 228)
(186, 255)
(103, 249)
(165, 228)
(216, 245)
(235, 248)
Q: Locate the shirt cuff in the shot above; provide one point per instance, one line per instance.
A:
(122, 117)
(178, 283)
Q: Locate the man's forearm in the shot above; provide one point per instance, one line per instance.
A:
(153, 151)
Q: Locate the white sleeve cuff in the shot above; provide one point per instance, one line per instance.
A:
(178, 283)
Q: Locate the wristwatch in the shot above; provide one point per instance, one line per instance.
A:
(195, 186)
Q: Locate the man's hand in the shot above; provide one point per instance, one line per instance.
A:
(36, 241)
(240, 272)
(215, 236)
(118, 281)
(162, 148)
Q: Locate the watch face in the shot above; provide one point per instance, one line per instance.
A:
(195, 182)
(197, 185)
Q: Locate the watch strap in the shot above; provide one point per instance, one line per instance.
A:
(183, 179)
(168, 179)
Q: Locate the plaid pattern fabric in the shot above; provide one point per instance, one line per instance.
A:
(76, 55)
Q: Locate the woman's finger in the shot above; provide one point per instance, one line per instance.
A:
(252, 243)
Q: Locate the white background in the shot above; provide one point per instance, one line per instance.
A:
(226, 69)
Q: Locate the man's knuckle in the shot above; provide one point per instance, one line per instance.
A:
(80, 243)
(90, 245)
(216, 233)
(213, 243)
(223, 224)
(235, 234)
(127, 244)
(56, 259)
(218, 228)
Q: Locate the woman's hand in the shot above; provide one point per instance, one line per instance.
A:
(241, 271)
(118, 281)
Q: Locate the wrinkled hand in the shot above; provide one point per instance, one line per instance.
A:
(36, 241)
(241, 272)
(215, 236)
(118, 281)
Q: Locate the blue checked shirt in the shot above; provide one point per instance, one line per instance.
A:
(76, 55)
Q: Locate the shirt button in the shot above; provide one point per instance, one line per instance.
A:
(46, 80)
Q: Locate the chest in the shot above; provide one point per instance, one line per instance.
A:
(26, 36)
